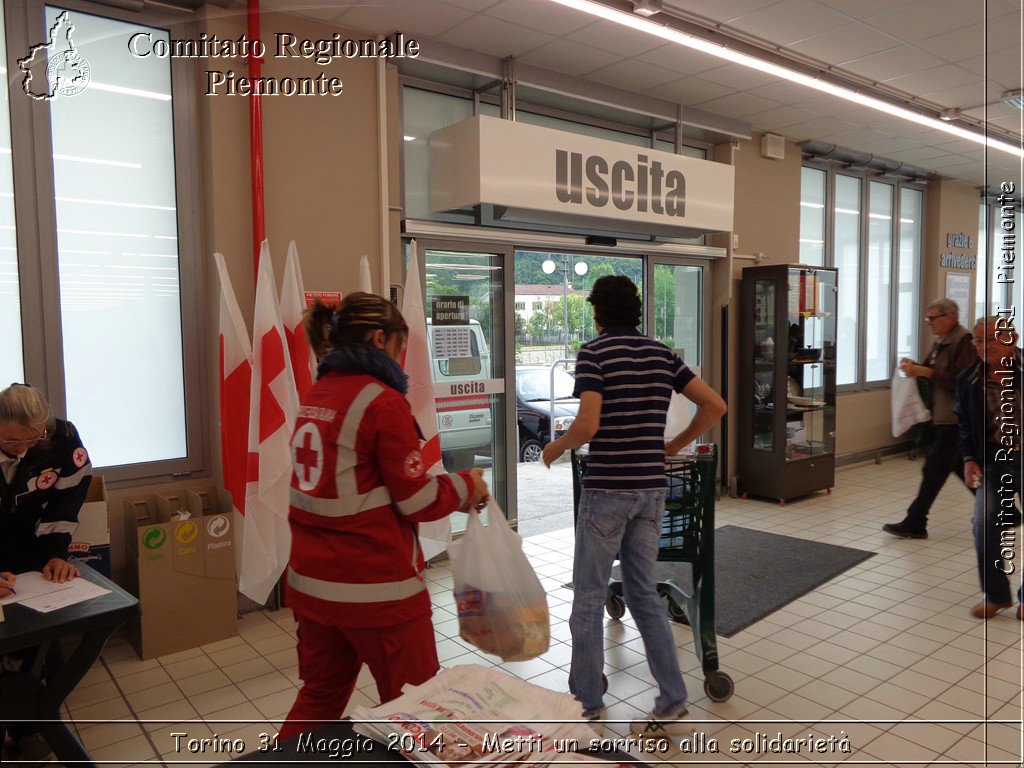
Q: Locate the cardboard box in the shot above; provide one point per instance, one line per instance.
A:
(90, 543)
(181, 559)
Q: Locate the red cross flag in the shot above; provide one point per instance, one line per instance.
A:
(293, 301)
(434, 536)
(235, 380)
(266, 539)
(365, 283)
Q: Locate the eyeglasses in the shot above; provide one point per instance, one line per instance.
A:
(933, 318)
(27, 443)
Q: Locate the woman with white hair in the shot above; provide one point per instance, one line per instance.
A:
(44, 477)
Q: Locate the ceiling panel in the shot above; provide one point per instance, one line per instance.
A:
(628, 72)
(775, 23)
(894, 62)
(616, 39)
(859, 137)
(845, 43)
(719, 10)
(690, 91)
(680, 59)
(541, 14)
(738, 105)
(924, 19)
(494, 36)
(859, 9)
(569, 58)
(739, 77)
(928, 81)
(428, 18)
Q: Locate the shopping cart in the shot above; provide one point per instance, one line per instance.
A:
(687, 536)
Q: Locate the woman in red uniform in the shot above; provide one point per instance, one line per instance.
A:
(359, 488)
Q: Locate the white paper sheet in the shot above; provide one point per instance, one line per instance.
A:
(36, 592)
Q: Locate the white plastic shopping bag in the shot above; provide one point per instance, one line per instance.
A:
(908, 408)
(502, 606)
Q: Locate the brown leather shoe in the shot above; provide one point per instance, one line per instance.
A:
(986, 609)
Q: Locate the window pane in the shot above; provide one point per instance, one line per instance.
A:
(117, 249)
(11, 367)
(812, 217)
(847, 260)
(984, 270)
(424, 112)
(908, 299)
(878, 310)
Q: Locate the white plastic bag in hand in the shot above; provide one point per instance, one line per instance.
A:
(908, 408)
(502, 606)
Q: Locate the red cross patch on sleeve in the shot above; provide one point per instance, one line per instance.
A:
(80, 457)
(413, 465)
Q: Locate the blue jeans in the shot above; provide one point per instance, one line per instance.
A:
(995, 516)
(627, 523)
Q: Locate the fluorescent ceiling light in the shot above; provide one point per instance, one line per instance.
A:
(1013, 99)
(721, 52)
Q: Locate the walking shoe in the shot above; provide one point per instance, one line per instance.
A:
(986, 609)
(655, 726)
(904, 531)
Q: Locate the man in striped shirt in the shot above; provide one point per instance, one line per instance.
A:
(625, 382)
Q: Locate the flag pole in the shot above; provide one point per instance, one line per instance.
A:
(255, 135)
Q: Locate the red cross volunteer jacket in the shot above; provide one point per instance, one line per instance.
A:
(358, 490)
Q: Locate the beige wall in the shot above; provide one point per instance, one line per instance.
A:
(950, 206)
(766, 220)
(321, 189)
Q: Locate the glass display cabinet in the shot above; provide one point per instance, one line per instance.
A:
(787, 412)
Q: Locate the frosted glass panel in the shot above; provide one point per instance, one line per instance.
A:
(11, 366)
(879, 282)
(847, 260)
(908, 273)
(812, 217)
(117, 249)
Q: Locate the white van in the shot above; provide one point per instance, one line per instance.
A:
(463, 421)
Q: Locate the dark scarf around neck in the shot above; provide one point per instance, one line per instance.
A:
(364, 359)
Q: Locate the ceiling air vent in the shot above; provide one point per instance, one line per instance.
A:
(773, 147)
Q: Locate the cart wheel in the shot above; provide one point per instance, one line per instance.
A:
(676, 612)
(913, 455)
(782, 502)
(718, 686)
(615, 606)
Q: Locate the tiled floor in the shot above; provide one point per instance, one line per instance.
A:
(886, 653)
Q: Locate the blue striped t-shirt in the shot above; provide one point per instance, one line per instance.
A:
(635, 376)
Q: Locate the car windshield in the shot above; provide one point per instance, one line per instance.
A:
(536, 384)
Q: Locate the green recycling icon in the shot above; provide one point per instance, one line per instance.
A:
(154, 538)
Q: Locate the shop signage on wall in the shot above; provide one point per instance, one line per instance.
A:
(541, 175)
(958, 260)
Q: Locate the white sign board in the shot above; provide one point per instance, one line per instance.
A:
(958, 288)
(452, 341)
(544, 175)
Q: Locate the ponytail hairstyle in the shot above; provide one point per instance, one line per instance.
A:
(358, 315)
(25, 405)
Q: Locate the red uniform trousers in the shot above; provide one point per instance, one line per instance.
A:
(330, 659)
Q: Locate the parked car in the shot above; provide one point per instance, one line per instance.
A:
(534, 411)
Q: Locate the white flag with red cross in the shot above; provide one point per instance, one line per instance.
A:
(434, 536)
(365, 283)
(235, 381)
(266, 539)
(293, 302)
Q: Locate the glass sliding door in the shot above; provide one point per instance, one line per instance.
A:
(466, 324)
(675, 300)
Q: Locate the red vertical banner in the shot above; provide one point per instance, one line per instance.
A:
(256, 133)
